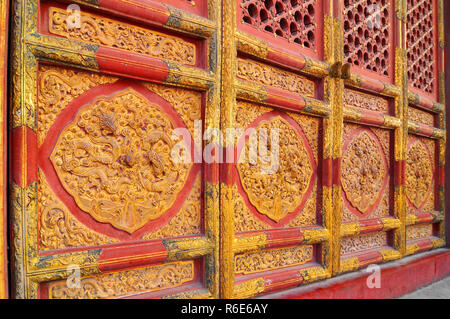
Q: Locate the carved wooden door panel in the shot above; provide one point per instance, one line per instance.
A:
(278, 226)
(99, 89)
(392, 141)
(360, 177)
(104, 91)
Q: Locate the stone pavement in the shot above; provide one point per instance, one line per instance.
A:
(437, 290)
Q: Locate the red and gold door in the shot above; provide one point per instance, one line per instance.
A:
(100, 88)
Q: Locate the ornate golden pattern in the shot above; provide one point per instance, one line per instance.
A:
(115, 160)
(187, 221)
(419, 173)
(273, 259)
(126, 283)
(419, 116)
(363, 171)
(247, 112)
(244, 220)
(268, 75)
(367, 241)
(106, 32)
(310, 127)
(58, 229)
(419, 232)
(57, 88)
(187, 103)
(278, 194)
(365, 101)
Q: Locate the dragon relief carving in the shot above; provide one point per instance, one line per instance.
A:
(126, 282)
(277, 194)
(106, 32)
(273, 259)
(363, 171)
(419, 173)
(114, 158)
(267, 75)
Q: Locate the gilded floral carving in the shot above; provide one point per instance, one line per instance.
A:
(271, 76)
(106, 32)
(419, 232)
(419, 116)
(363, 170)
(367, 241)
(419, 173)
(126, 283)
(114, 159)
(365, 101)
(273, 259)
(57, 88)
(277, 194)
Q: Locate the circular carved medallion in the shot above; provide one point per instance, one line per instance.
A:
(114, 159)
(363, 171)
(419, 173)
(279, 192)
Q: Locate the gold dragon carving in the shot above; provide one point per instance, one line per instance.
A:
(125, 283)
(273, 259)
(57, 88)
(278, 194)
(115, 160)
(268, 75)
(106, 32)
(419, 173)
(363, 171)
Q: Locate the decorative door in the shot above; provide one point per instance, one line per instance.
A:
(103, 90)
(99, 89)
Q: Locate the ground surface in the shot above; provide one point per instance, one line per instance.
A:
(437, 290)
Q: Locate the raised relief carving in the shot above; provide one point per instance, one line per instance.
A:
(115, 160)
(419, 173)
(57, 88)
(419, 232)
(187, 221)
(268, 75)
(367, 241)
(278, 194)
(365, 101)
(126, 283)
(419, 116)
(363, 170)
(58, 229)
(273, 259)
(106, 32)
